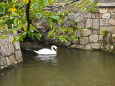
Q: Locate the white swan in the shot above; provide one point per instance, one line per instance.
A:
(43, 51)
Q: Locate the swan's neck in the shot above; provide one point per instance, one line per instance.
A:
(52, 49)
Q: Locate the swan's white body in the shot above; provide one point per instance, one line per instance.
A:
(46, 51)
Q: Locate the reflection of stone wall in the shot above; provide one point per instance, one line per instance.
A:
(9, 53)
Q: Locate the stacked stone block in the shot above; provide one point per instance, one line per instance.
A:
(93, 24)
(9, 53)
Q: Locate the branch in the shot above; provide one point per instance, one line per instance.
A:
(12, 16)
(28, 15)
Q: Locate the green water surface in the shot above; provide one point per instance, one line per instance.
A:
(69, 68)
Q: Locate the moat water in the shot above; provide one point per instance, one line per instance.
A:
(70, 67)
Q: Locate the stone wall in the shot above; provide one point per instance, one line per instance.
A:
(10, 54)
(98, 28)
(95, 27)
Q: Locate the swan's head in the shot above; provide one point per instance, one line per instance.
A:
(54, 47)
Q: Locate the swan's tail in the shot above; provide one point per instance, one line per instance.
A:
(35, 51)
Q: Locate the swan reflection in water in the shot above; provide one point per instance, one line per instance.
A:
(46, 58)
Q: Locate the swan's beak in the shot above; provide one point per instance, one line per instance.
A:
(57, 50)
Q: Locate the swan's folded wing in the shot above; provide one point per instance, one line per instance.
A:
(45, 51)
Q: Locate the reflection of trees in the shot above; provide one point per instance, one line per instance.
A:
(12, 77)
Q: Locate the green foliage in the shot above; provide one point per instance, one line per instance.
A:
(104, 33)
(2, 11)
(63, 34)
(9, 22)
(14, 19)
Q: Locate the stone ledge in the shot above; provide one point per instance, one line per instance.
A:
(105, 5)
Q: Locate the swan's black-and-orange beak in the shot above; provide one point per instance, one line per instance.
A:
(57, 50)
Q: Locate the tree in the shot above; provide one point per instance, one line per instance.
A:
(17, 15)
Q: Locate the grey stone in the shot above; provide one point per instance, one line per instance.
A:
(72, 16)
(18, 55)
(96, 46)
(86, 32)
(93, 38)
(88, 15)
(77, 33)
(3, 61)
(66, 18)
(100, 37)
(7, 61)
(7, 50)
(96, 23)
(112, 29)
(3, 51)
(113, 35)
(11, 49)
(111, 10)
(103, 10)
(93, 16)
(2, 42)
(68, 23)
(103, 22)
(96, 31)
(16, 62)
(17, 45)
(81, 24)
(104, 28)
(84, 41)
(77, 46)
(5, 41)
(112, 22)
(67, 43)
(88, 47)
(19, 60)
(89, 23)
(112, 15)
(0, 54)
(11, 59)
(78, 17)
(113, 40)
(98, 16)
(108, 47)
(106, 15)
